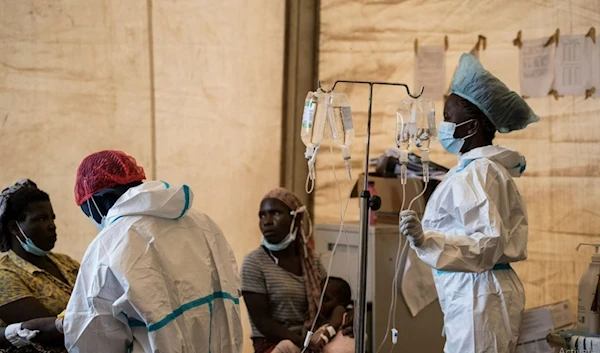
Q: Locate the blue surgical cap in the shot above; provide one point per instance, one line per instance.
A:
(504, 108)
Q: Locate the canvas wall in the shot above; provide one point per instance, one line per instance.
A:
(373, 40)
(191, 89)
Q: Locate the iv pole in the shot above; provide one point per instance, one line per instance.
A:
(366, 202)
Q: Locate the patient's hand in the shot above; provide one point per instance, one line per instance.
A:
(316, 341)
(48, 332)
(315, 347)
(348, 324)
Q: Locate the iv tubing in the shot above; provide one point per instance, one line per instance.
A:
(337, 240)
(392, 309)
(401, 256)
(309, 187)
(360, 312)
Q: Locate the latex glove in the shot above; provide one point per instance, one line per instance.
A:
(19, 337)
(411, 227)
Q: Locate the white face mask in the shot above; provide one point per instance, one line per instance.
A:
(100, 225)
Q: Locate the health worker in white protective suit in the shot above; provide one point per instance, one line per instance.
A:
(475, 223)
(159, 277)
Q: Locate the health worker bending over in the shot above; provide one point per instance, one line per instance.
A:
(475, 223)
(159, 277)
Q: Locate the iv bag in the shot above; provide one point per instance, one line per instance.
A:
(340, 121)
(403, 135)
(423, 123)
(313, 126)
(342, 127)
(313, 122)
(431, 124)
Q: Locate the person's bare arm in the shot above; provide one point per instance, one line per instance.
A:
(22, 310)
(34, 316)
(48, 332)
(336, 317)
(258, 308)
(348, 325)
(3, 341)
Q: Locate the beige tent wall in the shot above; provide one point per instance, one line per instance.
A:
(192, 89)
(373, 40)
(74, 79)
(218, 69)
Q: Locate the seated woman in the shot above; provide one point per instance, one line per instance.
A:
(281, 279)
(34, 282)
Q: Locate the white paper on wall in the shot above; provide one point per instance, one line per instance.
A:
(573, 65)
(596, 67)
(430, 71)
(536, 67)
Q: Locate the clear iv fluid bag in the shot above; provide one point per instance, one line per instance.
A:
(423, 123)
(403, 135)
(340, 120)
(313, 122)
(342, 127)
(425, 134)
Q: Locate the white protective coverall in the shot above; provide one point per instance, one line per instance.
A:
(159, 277)
(475, 224)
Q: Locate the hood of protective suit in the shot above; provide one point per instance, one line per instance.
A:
(153, 198)
(512, 160)
(160, 277)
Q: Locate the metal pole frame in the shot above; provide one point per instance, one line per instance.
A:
(360, 309)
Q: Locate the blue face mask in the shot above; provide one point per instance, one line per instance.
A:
(446, 136)
(282, 244)
(102, 223)
(29, 245)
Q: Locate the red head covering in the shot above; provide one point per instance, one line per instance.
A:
(103, 170)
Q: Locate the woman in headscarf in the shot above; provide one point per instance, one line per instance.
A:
(35, 283)
(281, 278)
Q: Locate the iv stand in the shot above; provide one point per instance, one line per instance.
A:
(366, 202)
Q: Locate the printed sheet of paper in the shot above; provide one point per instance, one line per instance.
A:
(596, 67)
(536, 68)
(430, 71)
(573, 65)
